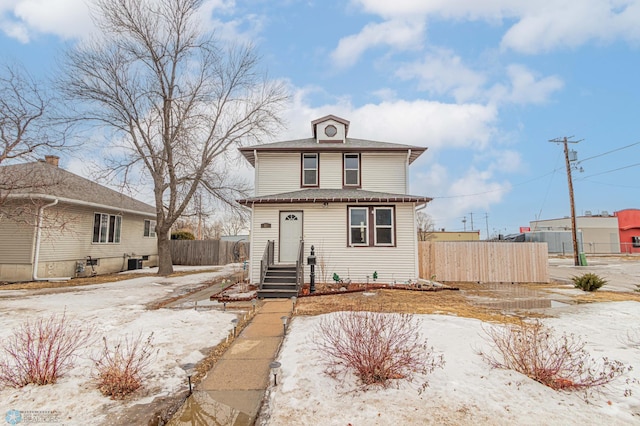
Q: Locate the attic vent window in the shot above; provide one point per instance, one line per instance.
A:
(330, 130)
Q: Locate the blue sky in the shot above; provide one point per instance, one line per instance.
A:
(484, 85)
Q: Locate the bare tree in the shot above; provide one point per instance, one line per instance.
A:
(27, 124)
(425, 226)
(175, 98)
(28, 129)
(234, 222)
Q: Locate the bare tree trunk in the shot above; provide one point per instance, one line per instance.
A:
(165, 264)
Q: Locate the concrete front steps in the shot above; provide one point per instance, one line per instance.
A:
(279, 282)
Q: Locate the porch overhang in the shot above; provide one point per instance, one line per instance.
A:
(334, 196)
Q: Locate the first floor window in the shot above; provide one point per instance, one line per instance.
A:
(383, 226)
(358, 226)
(106, 228)
(371, 226)
(150, 228)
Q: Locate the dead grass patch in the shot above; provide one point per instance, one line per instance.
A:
(411, 302)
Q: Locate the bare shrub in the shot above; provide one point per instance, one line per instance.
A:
(40, 351)
(559, 362)
(376, 347)
(120, 368)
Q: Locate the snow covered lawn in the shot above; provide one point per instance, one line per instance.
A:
(116, 310)
(466, 390)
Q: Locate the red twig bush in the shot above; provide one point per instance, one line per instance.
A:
(559, 362)
(376, 347)
(120, 369)
(40, 351)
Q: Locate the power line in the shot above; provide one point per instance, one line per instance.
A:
(609, 152)
(610, 171)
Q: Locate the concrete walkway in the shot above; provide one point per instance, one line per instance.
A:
(232, 392)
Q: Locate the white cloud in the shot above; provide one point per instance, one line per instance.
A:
(419, 122)
(443, 72)
(400, 34)
(70, 19)
(476, 190)
(545, 26)
(539, 26)
(525, 87)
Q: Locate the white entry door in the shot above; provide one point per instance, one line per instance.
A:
(290, 235)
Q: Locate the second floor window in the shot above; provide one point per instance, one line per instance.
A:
(309, 169)
(351, 169)
(106, 228)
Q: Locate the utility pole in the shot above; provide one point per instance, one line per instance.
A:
(486, 222)
(472, 228)
(464, 223)
(574, 233)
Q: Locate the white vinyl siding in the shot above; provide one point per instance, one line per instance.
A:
(16, 240)
(327, 230)
(384, 172)
(330, 170)
(76, 242)
(277, 172)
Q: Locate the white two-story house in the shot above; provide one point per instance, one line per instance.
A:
(346, 197)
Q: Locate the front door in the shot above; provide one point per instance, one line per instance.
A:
(290, 235)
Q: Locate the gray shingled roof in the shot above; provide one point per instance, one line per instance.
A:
(39, 179)
(350, 145)
(316, 195)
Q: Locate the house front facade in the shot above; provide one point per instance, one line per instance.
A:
(346, 197)
(57, 225)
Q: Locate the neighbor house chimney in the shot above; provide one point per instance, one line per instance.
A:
(52, 159)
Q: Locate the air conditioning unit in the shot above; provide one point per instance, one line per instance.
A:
(587, 213)
(604, 213)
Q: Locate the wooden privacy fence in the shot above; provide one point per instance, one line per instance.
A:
(479, 261)
(208, 252)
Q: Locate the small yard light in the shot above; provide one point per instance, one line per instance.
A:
(284, 319)
(275, 368)
(254, 302)
(293, 301)
(224, 306)
(235, 325)
(189, 369)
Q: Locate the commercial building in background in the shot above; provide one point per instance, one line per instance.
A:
(629, 230)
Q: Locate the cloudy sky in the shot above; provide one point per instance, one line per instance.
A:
(483, 84)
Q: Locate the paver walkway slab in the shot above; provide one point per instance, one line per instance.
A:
(232, 392)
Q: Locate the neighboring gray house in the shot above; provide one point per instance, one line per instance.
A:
(55, 224)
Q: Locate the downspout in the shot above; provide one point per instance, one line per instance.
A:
(406, 173)
(36, 253)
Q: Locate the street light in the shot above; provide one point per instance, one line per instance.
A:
(284, 319)
(275, 368)
(189, 369)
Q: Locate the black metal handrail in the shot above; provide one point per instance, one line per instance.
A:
(300, 266)
(267, 260)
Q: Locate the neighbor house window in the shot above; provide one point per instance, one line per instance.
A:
(358, 226)
(372, 226)
(309, 169)
(150, 228)
(106, 228)
(351, 169)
